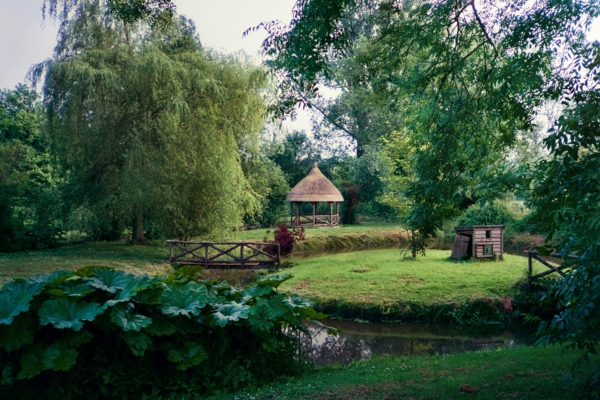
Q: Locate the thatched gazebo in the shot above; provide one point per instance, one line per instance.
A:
(314, 189)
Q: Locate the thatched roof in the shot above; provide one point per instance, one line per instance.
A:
(315, 187)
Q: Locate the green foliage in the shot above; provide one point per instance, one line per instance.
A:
(26, 174)
(158, 140)
(81, 333)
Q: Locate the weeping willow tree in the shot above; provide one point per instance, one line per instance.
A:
(149, 127)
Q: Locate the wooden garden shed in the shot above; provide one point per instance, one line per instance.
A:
(478, 241)
(314, 189)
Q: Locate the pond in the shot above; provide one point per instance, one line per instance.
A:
(362, 340)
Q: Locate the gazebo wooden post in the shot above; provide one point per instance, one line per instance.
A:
(298, 214)
(292, 215)
(337, 211)
(331, 214)
(314, 214)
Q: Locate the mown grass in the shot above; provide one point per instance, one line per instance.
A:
(386, 282)
(135, 259)
(154, 259)
(524, 373)
(386, 276)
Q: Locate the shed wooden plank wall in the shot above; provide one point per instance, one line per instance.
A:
(495, 239)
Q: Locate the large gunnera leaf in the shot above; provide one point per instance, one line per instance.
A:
(191, 354)
(87, 272)
(12, 304)
(139, 282)
(78, 290)
(187, 299)
(160, 326)
(59, 356)
(109, 280)
(273, 281)
(125, 318)
(138, 342)
(32, 361)
(51, 280)
(68, 312)
(230, 312)
(80, 337)
(255, 291)
(19, 333)
(296, 301)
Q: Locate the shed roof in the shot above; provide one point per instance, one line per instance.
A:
(315, 187)
(471, 227)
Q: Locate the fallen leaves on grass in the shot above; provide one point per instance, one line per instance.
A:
(389, 391)
(467, 389)
(508, 376)
(511, 395)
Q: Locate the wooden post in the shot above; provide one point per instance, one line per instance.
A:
(530, 266)
(337, 211)
(330, 214)
(502, 244)
(242, 256)
(314, 215)
(206, 256)
(278, 255)
(170, 252)
(298, 213)
(292, 215)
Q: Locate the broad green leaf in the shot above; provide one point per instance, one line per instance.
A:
(77, 338)
(78, 290)
(187, 299)
(256, 291)
(192, 354)
(21, 286)
(59, 356)
(7, 375)
(189, 270)
(51, 280)
(86, 272)
(274, 281)
(12, 303)
(259, 323)
(32, 361)
(68, 312)
(297, 301)
(160, 326)
(148, 296)
(109, 280)
(230, 312)
(138, 342)
(277, 308)
(19, 333)
(125, 318)
(56, 292)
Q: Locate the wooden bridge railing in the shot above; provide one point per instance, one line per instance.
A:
(237, 255)
(534, 255)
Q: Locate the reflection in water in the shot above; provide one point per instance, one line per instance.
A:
(358, 341)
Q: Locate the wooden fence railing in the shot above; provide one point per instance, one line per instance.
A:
(237, 255)
(320, 219)
(534, 255)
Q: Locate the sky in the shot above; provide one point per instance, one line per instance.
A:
(27, 39)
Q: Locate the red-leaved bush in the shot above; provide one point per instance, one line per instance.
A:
(287, 239)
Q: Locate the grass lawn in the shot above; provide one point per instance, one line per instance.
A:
(154, 259)
(524, 373)
(385, 277)
(135, 259)
(363, 228)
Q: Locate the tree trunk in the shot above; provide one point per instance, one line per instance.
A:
(137, 229)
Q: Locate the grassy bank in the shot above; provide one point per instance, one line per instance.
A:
(344, 238)
(524, 372)
(154, 259)
(383, 284)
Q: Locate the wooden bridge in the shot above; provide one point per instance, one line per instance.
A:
(534, 255)
(236, 255)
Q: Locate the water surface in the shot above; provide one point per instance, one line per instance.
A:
(359, 341)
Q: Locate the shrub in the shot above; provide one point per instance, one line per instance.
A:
(101, 333)
(287, 239)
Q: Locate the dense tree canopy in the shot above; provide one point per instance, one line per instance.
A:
(150, 127)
